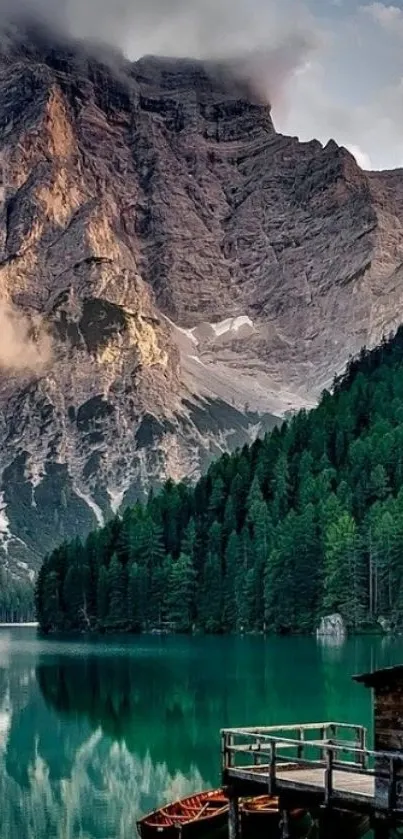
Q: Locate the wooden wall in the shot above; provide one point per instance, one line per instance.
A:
(388, 736)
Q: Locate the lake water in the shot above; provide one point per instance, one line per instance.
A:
(93, 734)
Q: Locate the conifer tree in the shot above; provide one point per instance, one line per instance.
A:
(230, 616)
(102, 596)
(181, 593)
(151, 559)
(117, 585)
(344, 584)
(136, 597)
(75, 596)
(210, 609)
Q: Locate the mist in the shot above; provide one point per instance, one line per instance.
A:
(25, 345)
(264, 39)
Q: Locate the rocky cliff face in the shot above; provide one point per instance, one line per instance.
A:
(193, 272)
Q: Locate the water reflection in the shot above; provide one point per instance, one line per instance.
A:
(93, 735)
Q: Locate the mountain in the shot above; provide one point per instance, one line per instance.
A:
(174, 276)
(307, 521)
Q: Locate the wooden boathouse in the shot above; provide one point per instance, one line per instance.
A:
(324, 765)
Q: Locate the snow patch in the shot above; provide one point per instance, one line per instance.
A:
(231, 325)
(5, 532)
(116, 497)
(210, 331)
(4, 522)
(34, 474)
(189, 334)
(92, 505)
(22, 565)
(5, 724)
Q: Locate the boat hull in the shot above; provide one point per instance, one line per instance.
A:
(215, 830)
(204, 815)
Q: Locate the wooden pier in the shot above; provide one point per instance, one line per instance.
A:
(324, 765)
(319, 763)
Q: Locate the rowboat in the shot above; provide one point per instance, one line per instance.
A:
(261, 817)
(195, 816)
(207, 813)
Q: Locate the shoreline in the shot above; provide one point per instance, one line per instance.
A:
(28, 625)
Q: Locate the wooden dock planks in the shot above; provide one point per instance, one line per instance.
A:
(307, 781)
(344, 782)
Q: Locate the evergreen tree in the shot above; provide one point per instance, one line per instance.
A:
(181, 593)
(136, 597)
(75, 597)
(280, 487)
(280, 599)
(151, 560)
(102, 595)
(188, 544)
(230, 616)
(217, 497)
(117, 585)
(262, 534)
(307, 582)
(230, 522)
(51, 616)
(210, 609)
(344, 583)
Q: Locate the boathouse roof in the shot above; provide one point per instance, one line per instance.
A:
(380, 678)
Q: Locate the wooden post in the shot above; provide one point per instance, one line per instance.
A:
(323, 736)
(329, 776)
(224, 763)
(285, 824)
(363, 742)
(231, 755)
(392, 784)
(300, 750)
(272, 769)
(233, 817)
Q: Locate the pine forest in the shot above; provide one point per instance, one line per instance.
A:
(305, 522)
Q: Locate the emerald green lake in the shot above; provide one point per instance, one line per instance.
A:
(94, 734)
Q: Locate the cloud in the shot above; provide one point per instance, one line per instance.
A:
(363, 159)
(389, 18)
(260, 40)
(25, 346)
(197, 28)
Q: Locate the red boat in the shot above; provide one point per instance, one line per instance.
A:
(197, 815)
(261, 817)
(206, 814)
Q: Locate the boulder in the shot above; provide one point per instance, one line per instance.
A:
(332, 626)
(385, 624)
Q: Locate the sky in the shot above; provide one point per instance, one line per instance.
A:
(330, 68)
(350, 84)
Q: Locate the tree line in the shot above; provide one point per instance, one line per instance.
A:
(16, 599)
(306, 521)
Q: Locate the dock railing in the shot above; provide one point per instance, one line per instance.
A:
(299, 741)
(328, 746)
